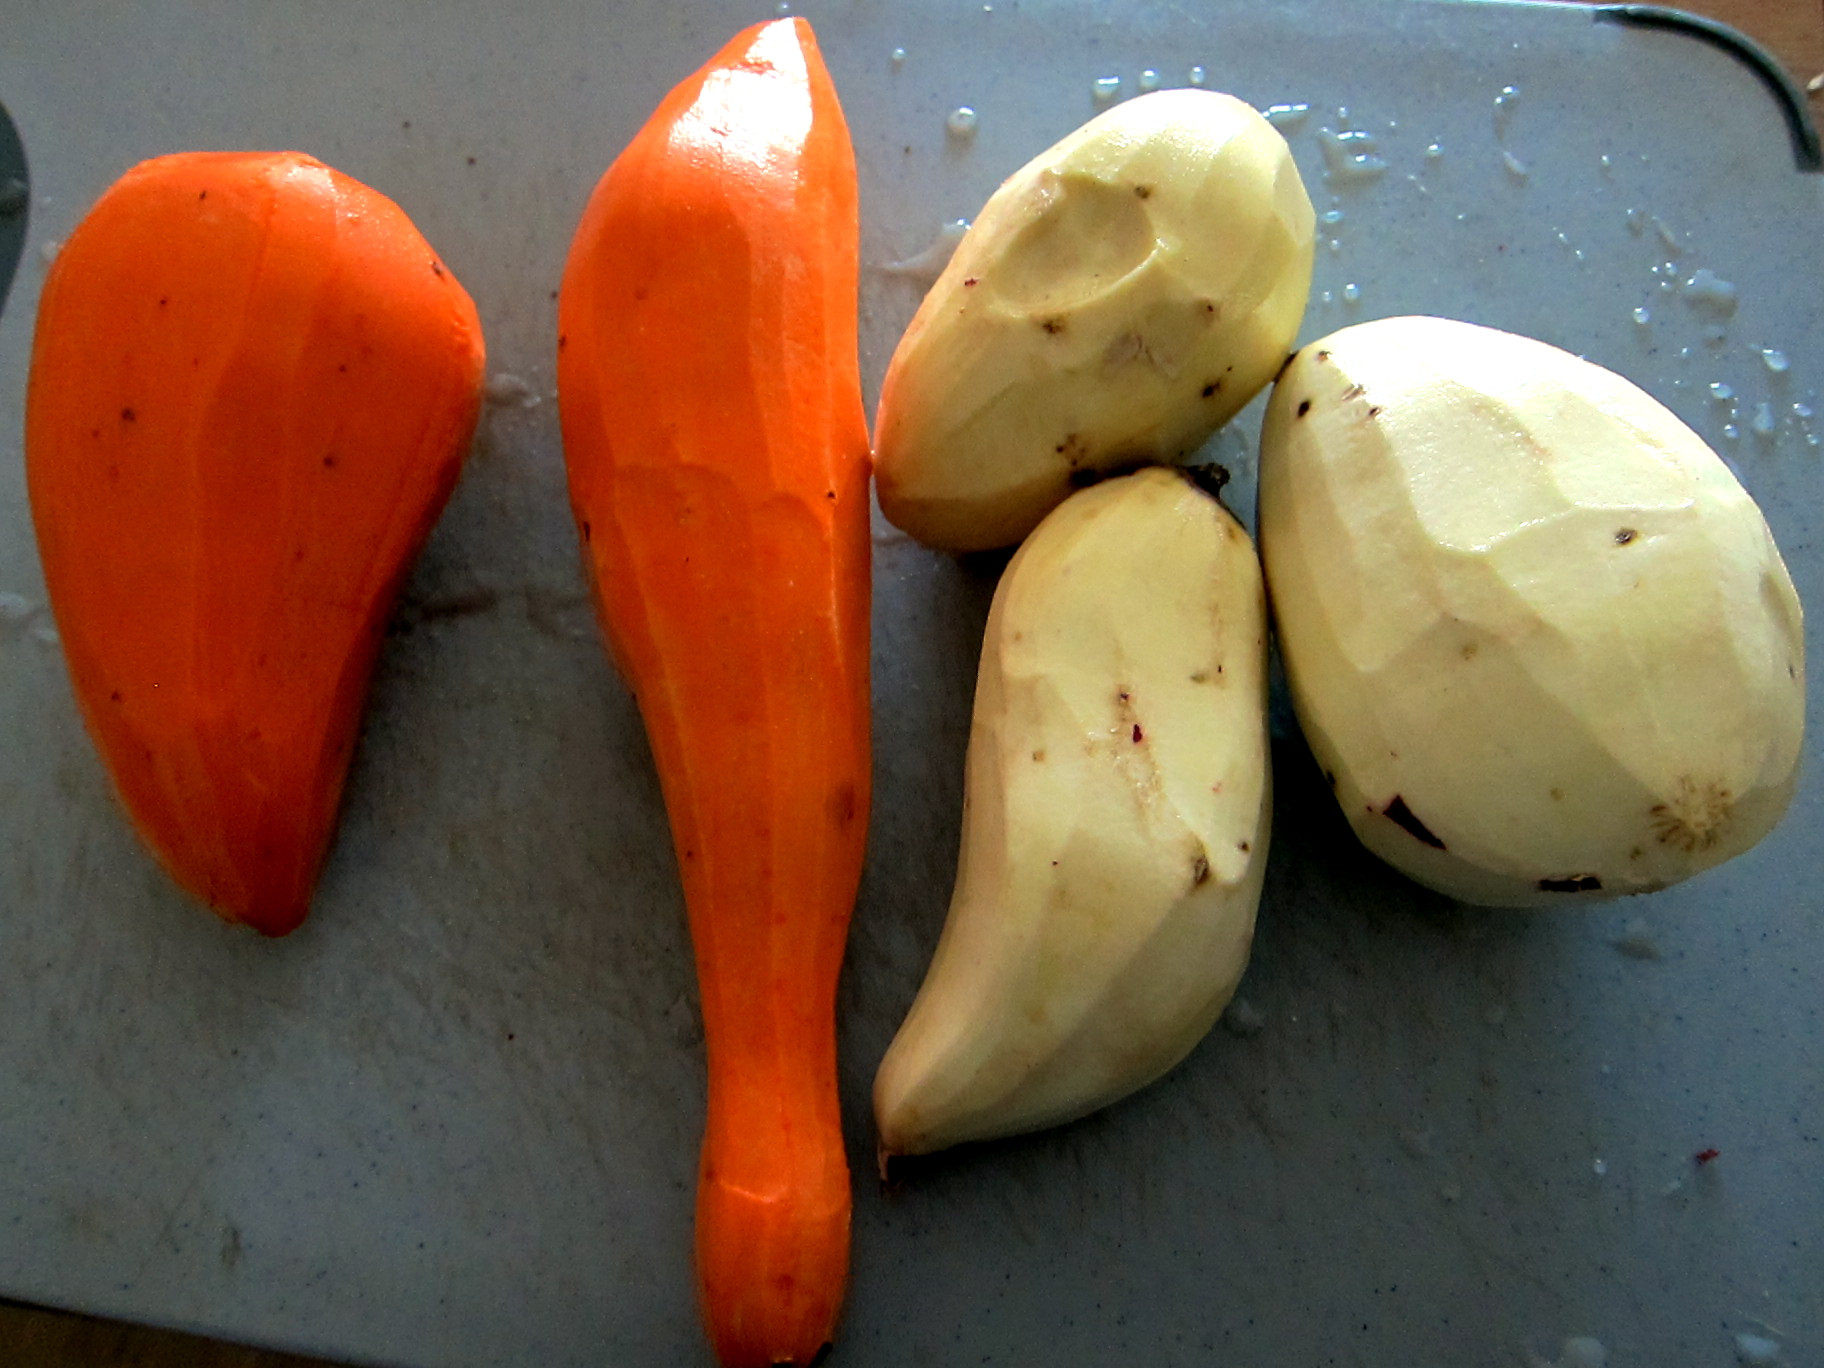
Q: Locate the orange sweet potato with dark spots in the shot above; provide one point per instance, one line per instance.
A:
(252, 387)
(718, 457)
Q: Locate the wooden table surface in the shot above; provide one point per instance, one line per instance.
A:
(31, 1337)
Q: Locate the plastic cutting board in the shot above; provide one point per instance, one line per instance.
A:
(453, 1120)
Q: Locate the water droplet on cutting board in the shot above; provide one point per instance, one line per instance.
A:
(1287, 117)
(506, 390)
(1731, 432)
(1721, 393)
(1434, 151)
(960, 122)
(897, 56)
(930, 263)
(1351, 155)
(1515, 167)
(1352, 293)
(1636, 940)
(1755, 1350)
(1332, 216)
(1764, 424)
(1242, 1018)
(1708, 293)
(1504, 109)
(1599, 1167)
(1105, 89)
(1643, 316)
(1775, 361)
(1149, 79)
(1198, 76)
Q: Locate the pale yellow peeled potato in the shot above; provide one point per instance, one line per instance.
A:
(1115, 821)
(1537, 634)
(1116, 300)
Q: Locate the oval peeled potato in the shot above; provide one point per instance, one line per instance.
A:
(1118, 298)
(1538, 636)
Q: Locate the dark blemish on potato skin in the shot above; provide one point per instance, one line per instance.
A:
(587, 531)
(1210, 478)
(329, 462)
(969, 282)
(1323, 356)
(1139, 735)
(1143, 191)
(1211, 388)
(1403, 817)
(1243, 847)
(1374, 411)
(1053, 326)
(1353, 392)
(1304, 407)
(1625, 535)
(437, 269)
(128, 415)
(1571, 883)
(1200, 871)
(1038, 757)
(1330, 777)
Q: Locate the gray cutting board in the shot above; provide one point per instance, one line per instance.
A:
(453, 1120)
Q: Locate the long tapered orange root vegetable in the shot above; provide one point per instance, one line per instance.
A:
(718, 460)
(252, 386)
